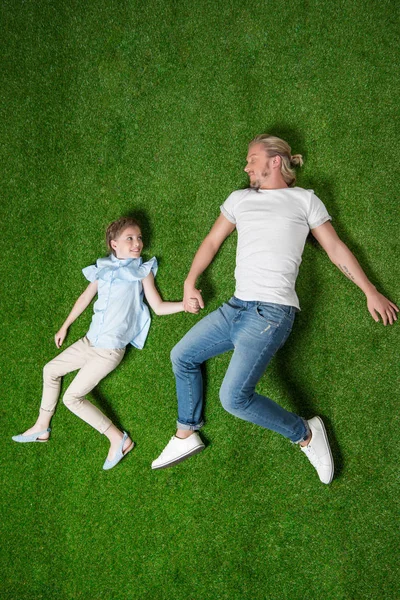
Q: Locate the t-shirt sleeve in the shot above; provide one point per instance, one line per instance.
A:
(317, 214)
(228, 208)
(91, 273)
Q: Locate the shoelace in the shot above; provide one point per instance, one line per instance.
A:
(312, 457)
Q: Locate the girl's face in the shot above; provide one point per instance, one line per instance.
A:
(129, 244)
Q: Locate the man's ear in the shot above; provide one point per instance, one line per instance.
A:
(276, 162)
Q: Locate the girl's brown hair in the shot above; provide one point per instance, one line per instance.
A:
(115, 229)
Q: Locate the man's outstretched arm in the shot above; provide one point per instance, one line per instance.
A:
(343, 258)
(203, 257)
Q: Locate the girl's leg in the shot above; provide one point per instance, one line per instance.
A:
(71, 359)
(100, 362)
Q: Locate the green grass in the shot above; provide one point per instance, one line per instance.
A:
(123, 107)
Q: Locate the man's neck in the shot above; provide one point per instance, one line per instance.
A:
(273, 183)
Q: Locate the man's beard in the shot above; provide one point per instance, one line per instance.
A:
(256, 184)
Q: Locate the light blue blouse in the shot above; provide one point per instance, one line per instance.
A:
(120, 315)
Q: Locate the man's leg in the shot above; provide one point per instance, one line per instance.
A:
(208, 338)
(258, 333)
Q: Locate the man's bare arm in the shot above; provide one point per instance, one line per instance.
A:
(343, 258)
(203, 257)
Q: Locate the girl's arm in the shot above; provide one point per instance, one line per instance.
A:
(83, 302)
(157, 304)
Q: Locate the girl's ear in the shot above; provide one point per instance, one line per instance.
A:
(113, 244)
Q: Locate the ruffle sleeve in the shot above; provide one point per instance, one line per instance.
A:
(91, 273)
(150, 265)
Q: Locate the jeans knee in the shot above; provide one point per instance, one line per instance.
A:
(233, 401)
(227, 399)
(178, 358)
(174, 355)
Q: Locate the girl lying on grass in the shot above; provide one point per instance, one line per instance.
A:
(120, 317)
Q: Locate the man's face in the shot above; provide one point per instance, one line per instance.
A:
(258, 165)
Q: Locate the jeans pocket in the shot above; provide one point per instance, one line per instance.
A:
(273, 314)
(233, 303)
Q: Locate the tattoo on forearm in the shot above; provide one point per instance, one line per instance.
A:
(345, 270)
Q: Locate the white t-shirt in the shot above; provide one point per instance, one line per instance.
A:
(272, 228)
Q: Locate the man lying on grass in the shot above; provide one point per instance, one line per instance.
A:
(273, 220)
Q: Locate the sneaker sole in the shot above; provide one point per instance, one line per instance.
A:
(180, 459)
(329, 448)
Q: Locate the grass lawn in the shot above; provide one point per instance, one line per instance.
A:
(114, 107)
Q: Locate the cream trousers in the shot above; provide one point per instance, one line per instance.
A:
(93, 364)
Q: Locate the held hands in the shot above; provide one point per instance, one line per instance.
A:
(194, 306)
(60, 336)
(192, 299)
(379, 304)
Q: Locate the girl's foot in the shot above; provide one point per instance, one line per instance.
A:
(125, 446)
(31, 435)
(43, 429)
(115, 444)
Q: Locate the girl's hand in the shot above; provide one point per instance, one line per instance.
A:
(60, 336)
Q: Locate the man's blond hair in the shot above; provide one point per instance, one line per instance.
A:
(274, 146)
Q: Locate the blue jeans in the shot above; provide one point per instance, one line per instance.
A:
(254, 331)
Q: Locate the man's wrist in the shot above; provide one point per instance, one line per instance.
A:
(189, 282)
(370, 290)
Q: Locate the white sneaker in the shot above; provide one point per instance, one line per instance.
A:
(177, 450)
(318, 450)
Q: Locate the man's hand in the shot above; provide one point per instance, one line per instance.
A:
(379, 304)
(194, 305)
(60, 336)
(192, 299)
(203, 257)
